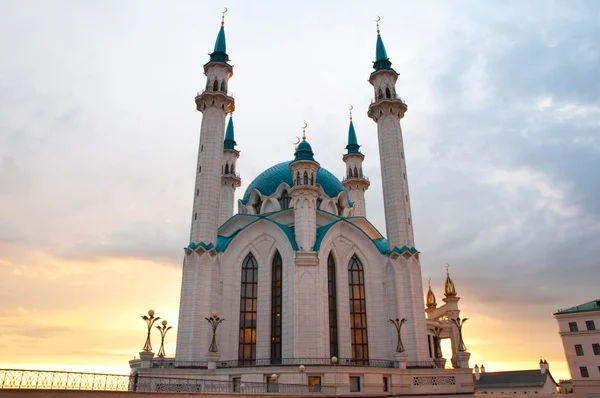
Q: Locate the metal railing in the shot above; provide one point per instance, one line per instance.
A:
(53, 380)
(384, 97)
(353, 177)
(374, 363)
(210, 90)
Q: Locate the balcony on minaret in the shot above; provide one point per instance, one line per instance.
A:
(217, 95)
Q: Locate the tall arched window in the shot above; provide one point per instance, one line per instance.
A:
(349, 173)
(223, 86)
(298, 178)
(355, 172)
(331, 287)
(226, 169)
(388, 94)
(257, 205)
(284, 200)
(216, 86)
(305, 182)
(380, 94)
(358, 311)
(248, 305)
(276, 306)
(312, 179)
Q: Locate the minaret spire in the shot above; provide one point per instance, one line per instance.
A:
(230, 179)
(355, 182)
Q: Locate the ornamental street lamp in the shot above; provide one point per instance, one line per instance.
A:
(437, 331)
(163, 331)
(398, 324)
(459, 324)
(214, 321)
(150, 319)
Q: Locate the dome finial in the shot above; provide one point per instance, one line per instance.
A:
(351, 107)
(431, 303)
(377, 22)
(304, 131)
(449, 289)
(223, 17)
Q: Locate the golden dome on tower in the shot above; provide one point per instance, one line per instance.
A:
(431, 303)
(449, 289)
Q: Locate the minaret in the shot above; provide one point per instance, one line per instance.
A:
(386, 110)
(230, 179)
(355, 182)
(304, 194)
(215, 103)
(197, 295)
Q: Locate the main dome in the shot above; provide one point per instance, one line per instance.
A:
(267, 182)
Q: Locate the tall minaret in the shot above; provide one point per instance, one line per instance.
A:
(230, 179)
(215, 103)
(387, 109)
(355, 182)
(197, 300)
(304, 195)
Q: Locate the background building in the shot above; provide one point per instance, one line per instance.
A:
(517, 382)
(581, 340)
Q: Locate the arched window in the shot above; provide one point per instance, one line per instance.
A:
(226, 169)
(355, 172)
(360, 172)
(319, 201)
(233, 169)
(340, 209)
(284, 200)
(358, 311)
(380, 94)
(350, 173)
(298, 178)
(388, 94)
(276, 307)
(223, 86)
(257, 205)
(331, 287)
(312, 179)
(248, 306)
(216, 86)
(305, 182)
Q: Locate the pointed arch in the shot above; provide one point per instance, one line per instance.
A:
(332, 298)
(223, 87)
(312, 179)
(358, 310)
(388, 93)
(355, 172)
(284, 200)
(276, 308)
(257, 205)
(226, 169)
(379, 94)
(305, 179)
(349, 172)
(298, 178)
(248, 310)
(216, 85)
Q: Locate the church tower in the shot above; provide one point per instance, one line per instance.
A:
(230, 179)
(199, 264)
(386, 110)
(215, 103)
(355, 182)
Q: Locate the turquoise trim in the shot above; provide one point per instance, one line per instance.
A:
(224, 241)
(380, 244)
(229, 142)
(352, 146)
(269, 180)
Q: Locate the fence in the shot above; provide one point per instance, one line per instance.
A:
(53, 380)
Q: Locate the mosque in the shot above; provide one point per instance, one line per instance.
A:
(309, 290)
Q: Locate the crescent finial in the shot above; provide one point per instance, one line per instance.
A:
(223, 17)
(297, 142)
(447, 266)
(351, 107)
(304, 131)
(377, 21)
(378, 18)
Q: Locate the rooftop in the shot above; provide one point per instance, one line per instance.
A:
(516, 378)
(593, 305)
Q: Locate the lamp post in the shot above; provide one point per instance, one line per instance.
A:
(439, 359)
(150, 319)
(214, 321)
(163, 331)
(301, 368)
(334, 361)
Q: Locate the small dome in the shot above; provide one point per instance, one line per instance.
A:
(431, 303)
(304, 146)
(449, 289)
(267, 182)
(304, 151)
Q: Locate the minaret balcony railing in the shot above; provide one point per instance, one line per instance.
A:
(355, 178)
(384, 97)
(227, 93)
(230, 174)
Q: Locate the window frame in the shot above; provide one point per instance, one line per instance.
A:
(590, 325)
(579, 350)
(583, 370)
(358, 311)
(332, 303)
(276, 308)
(573, 327)
(248, 319)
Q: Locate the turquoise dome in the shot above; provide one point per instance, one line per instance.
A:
(268, 181)
(304, 151)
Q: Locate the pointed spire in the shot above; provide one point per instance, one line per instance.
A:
(449, 289)
(431, 303)
(352, 146)
(381, 58)
(229, 142)
(219, 53)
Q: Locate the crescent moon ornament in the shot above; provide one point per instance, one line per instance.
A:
(225, 10)
(304, 131)
(378, 18)
(351, 107)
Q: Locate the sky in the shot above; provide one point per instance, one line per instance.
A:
(99, 136)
